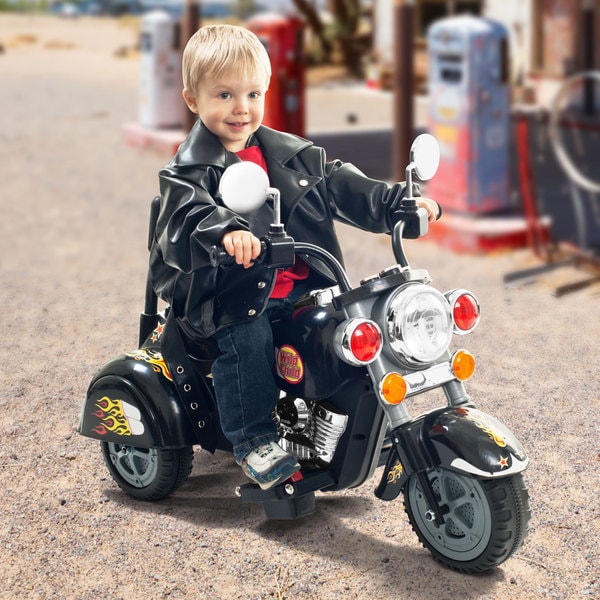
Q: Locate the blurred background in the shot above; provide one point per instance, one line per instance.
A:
(510, 88)
(549, 39)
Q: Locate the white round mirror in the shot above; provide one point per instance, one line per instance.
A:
(425, 156)
(243, 186)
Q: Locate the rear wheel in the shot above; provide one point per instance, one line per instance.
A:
(147, 473)
(485, 520)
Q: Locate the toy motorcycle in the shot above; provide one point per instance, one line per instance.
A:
(347, 362)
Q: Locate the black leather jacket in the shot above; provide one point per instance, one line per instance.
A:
(192, 219)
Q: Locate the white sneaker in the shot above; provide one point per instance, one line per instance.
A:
(269, 465)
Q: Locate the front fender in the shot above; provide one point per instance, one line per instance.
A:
(470, 441)
(459, 439)
(132, 400)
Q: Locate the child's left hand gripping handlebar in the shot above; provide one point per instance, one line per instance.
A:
(277, 252)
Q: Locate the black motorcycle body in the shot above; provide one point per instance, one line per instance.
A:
(342, 411)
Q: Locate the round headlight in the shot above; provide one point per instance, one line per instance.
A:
(419, 323)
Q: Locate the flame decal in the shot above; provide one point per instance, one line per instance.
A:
(394, 473)
(154, 358)
(480, 421)
(118, 417)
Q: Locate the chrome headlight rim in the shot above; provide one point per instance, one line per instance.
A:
(400, 338)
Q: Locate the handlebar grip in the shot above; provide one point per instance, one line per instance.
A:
(219, 257)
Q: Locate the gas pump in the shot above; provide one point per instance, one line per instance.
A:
(160, 101)
(469, 113)
(283, 37)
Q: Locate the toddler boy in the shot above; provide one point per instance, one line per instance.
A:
(226, 73)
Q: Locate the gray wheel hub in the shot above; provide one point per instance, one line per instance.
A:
(467, 526)
(137, 466)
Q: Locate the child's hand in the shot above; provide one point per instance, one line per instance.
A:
(242, 245)
(433, 209)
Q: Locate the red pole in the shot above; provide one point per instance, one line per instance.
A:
(535, 234)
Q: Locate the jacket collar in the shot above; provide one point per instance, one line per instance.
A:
(279, 145)
(202, 147)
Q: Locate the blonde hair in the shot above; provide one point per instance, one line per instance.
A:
(215, 50)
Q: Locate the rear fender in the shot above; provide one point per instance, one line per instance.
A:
(132, 400)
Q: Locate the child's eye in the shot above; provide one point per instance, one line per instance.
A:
(254, 95)
(224, 95)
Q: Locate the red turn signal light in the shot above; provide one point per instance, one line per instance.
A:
(358, 341)
(365, 342)
(465, 310)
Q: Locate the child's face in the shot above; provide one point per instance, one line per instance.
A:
(232, 107)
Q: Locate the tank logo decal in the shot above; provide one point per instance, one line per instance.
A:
(289, 364)
(154, 358)
(118, 417)
(480, 421)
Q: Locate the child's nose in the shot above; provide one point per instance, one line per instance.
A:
(241, 106)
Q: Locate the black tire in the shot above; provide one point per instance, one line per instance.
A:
(147, 473)
(485, 520)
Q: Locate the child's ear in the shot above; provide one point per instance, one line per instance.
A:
(190, 101)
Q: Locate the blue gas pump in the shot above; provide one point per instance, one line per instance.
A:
(469, 113)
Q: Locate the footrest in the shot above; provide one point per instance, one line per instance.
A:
(290, 499)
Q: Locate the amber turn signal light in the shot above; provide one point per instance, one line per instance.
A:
(463, 365)
(393, 388)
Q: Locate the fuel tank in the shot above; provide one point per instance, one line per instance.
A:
(306, 363)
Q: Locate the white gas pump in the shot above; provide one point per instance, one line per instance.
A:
(160, 100)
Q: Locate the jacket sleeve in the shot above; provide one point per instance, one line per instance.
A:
(191, 220)
(359, 200)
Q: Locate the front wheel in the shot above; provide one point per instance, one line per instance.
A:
(485, 520)
(147, 473)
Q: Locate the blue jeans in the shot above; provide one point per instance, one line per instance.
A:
(244, 383)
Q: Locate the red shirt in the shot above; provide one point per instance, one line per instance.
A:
(284, 281)
(254, 154)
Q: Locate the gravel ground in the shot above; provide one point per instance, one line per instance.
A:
(72, 237)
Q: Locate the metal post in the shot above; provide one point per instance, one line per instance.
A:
(403, 85)
(589, 17)
(190, 23)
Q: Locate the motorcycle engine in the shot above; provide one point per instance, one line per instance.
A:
(310, 430)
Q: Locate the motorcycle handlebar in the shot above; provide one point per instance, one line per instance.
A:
(412, 222)
(220, 258)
